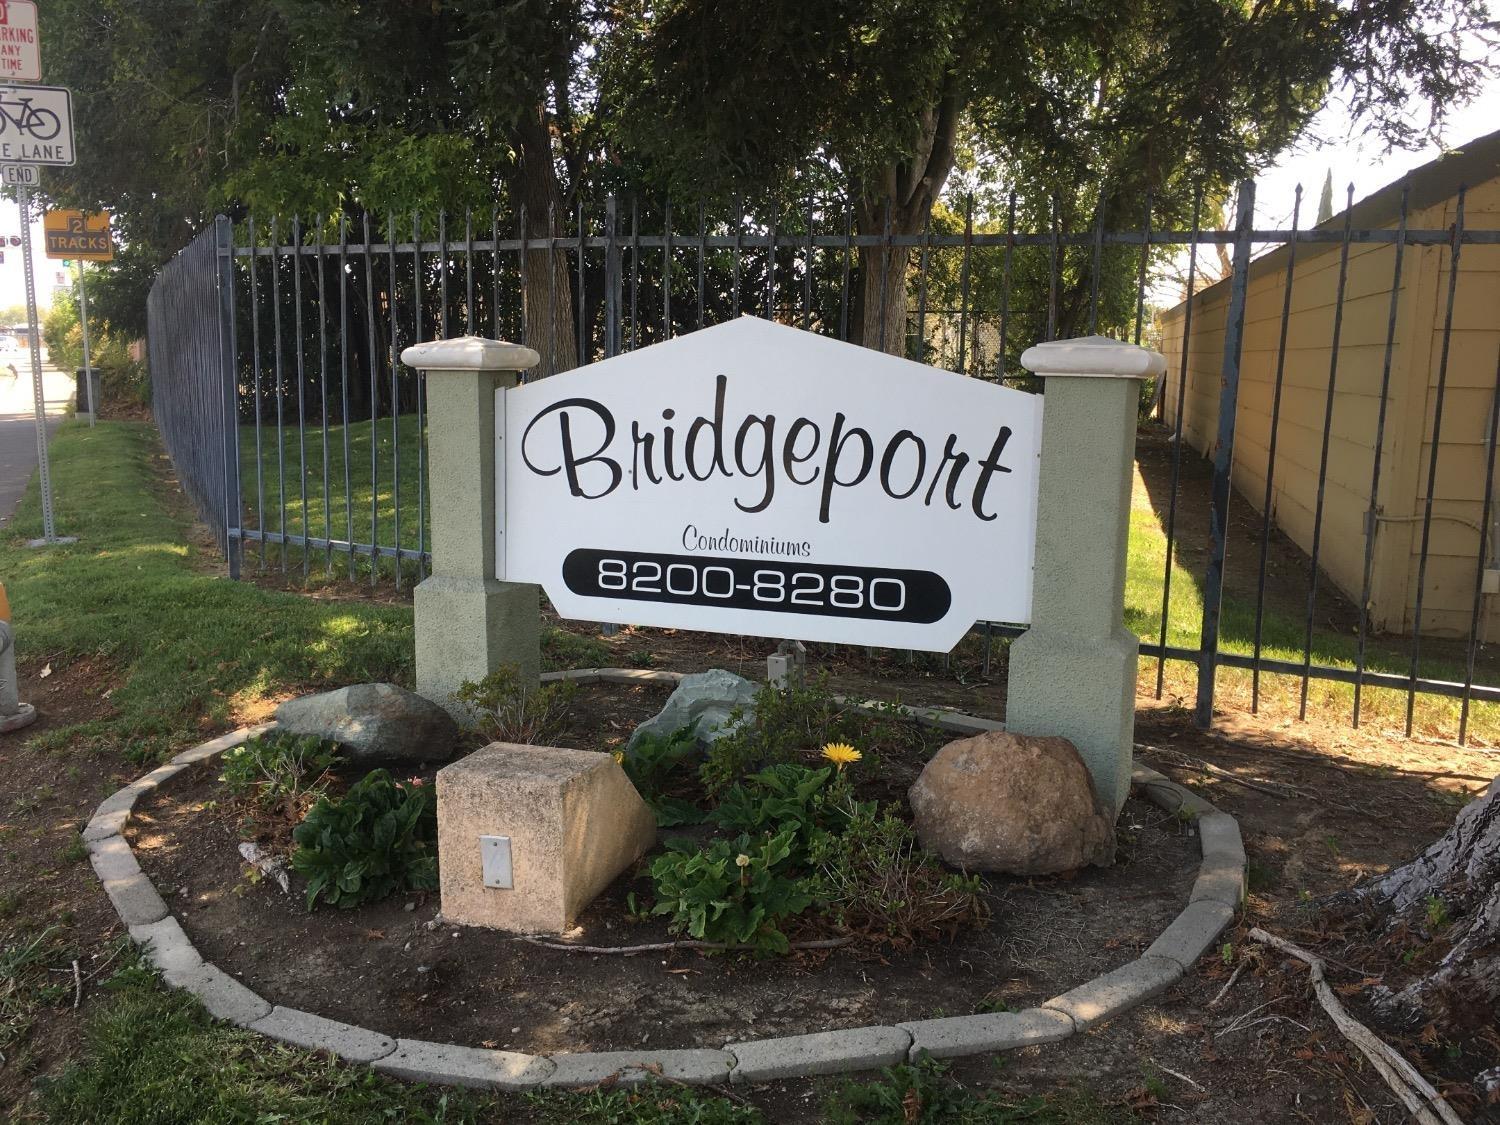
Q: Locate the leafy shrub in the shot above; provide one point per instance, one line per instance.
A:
(790, 722)
(509, 710)
(735, 892)
(378, 838)
(655, 762)
(274, 768)
(784, 797)
(876, 879)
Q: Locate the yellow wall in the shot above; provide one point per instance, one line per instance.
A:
(1415, 350)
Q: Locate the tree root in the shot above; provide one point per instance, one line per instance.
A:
(1422, 1101)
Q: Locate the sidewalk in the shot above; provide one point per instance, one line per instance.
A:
(18, 430)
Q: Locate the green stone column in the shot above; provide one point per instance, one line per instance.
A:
(469, 621)
(1073, 672)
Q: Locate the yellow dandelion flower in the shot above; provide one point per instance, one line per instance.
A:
(619, 757)
(841, 754)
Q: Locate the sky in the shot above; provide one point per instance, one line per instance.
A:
(12, 274)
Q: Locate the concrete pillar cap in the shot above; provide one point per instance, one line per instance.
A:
(1096, 357)
(470, 353)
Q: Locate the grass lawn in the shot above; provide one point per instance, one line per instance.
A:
(190, 650)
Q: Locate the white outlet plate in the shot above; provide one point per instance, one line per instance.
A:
(494, 856)
(1491, 582)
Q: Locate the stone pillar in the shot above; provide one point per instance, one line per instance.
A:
(469, 621)
(1073, 672)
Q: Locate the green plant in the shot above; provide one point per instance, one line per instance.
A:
(732, 892)
(780, 797)
(564, 649)
(792, 721)
(877, 880)
(655, 761)
(922, 1093)
(277, 767)
(378, 838)
(510, 710)
(74, 851)
(1437, 913)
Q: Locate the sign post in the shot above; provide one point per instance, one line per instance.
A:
(86, 237)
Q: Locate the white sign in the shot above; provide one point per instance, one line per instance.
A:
(21, 175)
(36, 125)
(754, 478)
(20, 53)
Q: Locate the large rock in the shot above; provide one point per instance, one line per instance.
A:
(702, 701)
(374, 723)
(1018, 804)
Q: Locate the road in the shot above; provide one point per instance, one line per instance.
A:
(18, 429)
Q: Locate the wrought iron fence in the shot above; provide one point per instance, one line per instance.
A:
(329, 430)
(189, 341)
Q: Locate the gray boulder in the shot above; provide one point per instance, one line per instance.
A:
(373, 723)
(702, 701)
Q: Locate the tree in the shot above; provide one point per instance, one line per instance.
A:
(1450, 892)
(1138, 96)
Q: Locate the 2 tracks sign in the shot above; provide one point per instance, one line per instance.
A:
(754, 478)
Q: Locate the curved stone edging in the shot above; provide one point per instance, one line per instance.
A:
(1215, 896)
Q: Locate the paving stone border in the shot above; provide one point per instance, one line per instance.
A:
(1216, 895)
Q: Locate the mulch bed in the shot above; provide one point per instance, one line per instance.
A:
(392, 967)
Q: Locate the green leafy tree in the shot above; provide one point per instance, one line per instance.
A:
(732, 95)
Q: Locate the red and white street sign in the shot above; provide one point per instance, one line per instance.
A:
(20, 55)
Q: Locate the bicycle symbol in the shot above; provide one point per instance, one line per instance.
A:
(39, 124)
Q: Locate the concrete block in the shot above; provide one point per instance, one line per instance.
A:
(105, 825)
(224, 997)
(446, 1064)
(135, 900)
(1193, 933)
(700, 1067)
(122, 800)
(574, 822)
(823, 1052)
(303, 1029)
(159, 776)
(112, 858)
(166, 945)
(1219, 838)
(637, 676)
(1145, 775)
(576, 675)
(1220, 880)
(466, 627)
(1117, 992)
(1167, 794)
(206, 750)
(986, 1031)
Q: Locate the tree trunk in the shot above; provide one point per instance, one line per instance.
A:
(1452, 892)
(882, 299)
(547, 298)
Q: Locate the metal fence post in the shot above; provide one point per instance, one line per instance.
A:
(229, 370)
(1229, 396)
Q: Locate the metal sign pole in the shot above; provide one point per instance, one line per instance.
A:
(88, 368)
(44, 470)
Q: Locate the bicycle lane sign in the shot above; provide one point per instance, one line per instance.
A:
(36, 125)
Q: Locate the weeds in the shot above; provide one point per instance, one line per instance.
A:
(509, 710)
(278, 769)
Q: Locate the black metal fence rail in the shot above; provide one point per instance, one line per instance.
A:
(327, 426)
(190, 352)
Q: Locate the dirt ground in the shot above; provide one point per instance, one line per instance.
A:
(1322, 806)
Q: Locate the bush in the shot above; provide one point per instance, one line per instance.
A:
(875, 879)
(509, 710)
(379, 838)
(278, 768)
(732, 892)
(788, 723)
